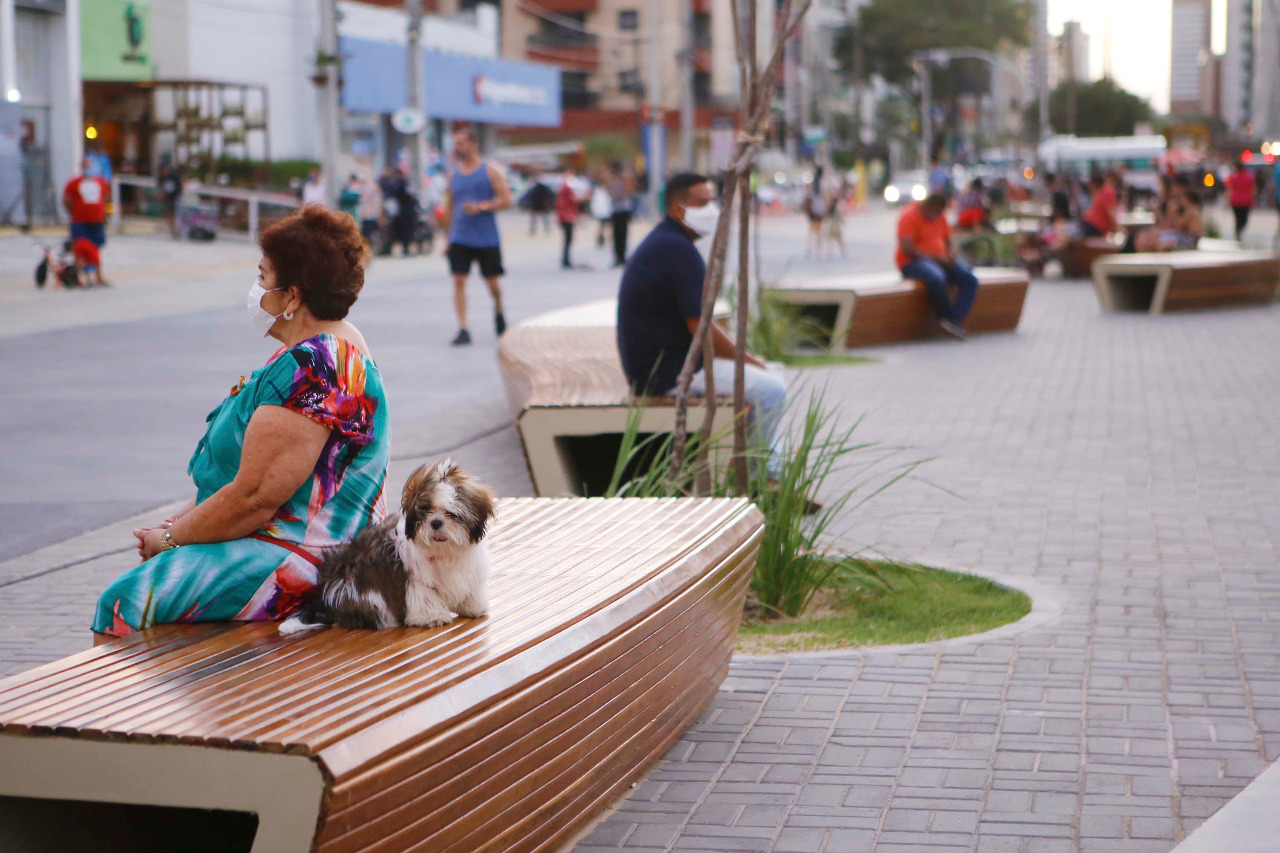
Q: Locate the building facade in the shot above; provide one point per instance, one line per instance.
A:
(1069, 55)
(604, 52)
(1191, 66)
(40, 105)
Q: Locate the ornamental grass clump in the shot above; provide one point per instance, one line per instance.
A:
(820, 461)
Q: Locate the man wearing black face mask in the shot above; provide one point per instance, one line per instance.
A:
(660, 303)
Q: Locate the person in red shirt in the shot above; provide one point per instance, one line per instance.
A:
(567, 214)
(924, 254)
(85, 198)
(88, 262)
(1100, 219)
(1243, 190)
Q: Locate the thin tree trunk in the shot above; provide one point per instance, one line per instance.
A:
(757, 100)
(710, 290)
(740, 473)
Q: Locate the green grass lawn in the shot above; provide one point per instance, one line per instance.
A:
(908, 604)
(824, 359)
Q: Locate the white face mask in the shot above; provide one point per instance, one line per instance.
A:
(260, 318)
(702, 220)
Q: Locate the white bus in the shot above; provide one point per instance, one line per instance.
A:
(1140, 156)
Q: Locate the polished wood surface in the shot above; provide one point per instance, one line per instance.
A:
(611, 625)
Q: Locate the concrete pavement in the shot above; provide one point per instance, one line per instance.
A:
(1123, 468)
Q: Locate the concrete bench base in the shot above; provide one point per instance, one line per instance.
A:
(1179, 281)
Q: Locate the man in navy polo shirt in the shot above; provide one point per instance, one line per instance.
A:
(660, 302)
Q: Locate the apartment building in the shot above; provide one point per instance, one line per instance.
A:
(604, 51)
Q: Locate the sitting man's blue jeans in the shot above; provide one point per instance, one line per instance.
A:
(766, 395)
(937, 278)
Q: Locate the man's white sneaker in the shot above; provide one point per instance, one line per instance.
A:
(955, 330)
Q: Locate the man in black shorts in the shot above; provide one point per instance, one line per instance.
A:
(476, 191)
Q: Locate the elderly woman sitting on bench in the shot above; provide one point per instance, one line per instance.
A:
(292, 462)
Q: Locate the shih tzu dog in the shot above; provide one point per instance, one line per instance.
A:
(416, 568)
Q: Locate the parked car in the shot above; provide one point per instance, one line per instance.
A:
(907, 186)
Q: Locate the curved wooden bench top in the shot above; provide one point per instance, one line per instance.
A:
(556, 562)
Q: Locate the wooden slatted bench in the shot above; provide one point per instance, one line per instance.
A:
(1172, 281)
(1079, 255)
(881, 308)
(571, 401)
(611, 626)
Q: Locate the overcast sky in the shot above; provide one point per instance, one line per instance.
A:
(1136, 34)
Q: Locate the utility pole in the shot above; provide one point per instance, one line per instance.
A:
(926, 113)
(688, 151)
(330, 111)
(414, 92)
(655, 165)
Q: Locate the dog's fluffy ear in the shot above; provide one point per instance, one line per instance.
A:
(415, 498)
(479, 498)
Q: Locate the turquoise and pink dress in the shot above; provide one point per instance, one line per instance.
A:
(264, 575)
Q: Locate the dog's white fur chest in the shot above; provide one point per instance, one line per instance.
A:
(443, 579)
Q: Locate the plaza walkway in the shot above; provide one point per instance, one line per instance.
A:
(1124, 470)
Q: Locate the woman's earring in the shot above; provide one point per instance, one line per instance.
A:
(288, 315)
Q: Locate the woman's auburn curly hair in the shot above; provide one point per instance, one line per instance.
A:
(320, 252)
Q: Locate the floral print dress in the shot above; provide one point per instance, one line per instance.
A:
(264, 575)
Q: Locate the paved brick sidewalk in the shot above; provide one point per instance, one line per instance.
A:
(1127, 464)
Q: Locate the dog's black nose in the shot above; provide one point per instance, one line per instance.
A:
(436, 524)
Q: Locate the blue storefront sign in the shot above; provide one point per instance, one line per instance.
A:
(457, 88)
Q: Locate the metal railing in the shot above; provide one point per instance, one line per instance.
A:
(255, 199)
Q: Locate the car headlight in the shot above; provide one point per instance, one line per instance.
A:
(918, 192)
(891, 194)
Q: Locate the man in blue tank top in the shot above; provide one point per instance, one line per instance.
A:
(477, 190)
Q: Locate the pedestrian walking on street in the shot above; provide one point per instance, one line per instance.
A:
(314, 190)
(541, 202)
(567, 214)
(1243, 190)
(399, 210)
(477, 191)
(601, 211)
(169, 182)
(293, 461)
(349, 198)
(622, 189)
(924, 254)
(85, 198)
(369, 212)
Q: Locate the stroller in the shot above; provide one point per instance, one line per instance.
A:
(61, 265)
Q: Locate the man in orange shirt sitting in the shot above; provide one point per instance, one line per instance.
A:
(924, 254)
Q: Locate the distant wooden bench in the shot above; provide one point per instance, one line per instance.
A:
(1079, 255)
(611, 626)
(1171, 281)
(571, 400)
(881, 308)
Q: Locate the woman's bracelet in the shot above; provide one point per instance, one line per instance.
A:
(166, 542)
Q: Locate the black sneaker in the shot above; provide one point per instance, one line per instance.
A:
(463, 338)
(499, 324)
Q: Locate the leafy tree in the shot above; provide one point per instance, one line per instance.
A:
(887, 32)
(1102, 108)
